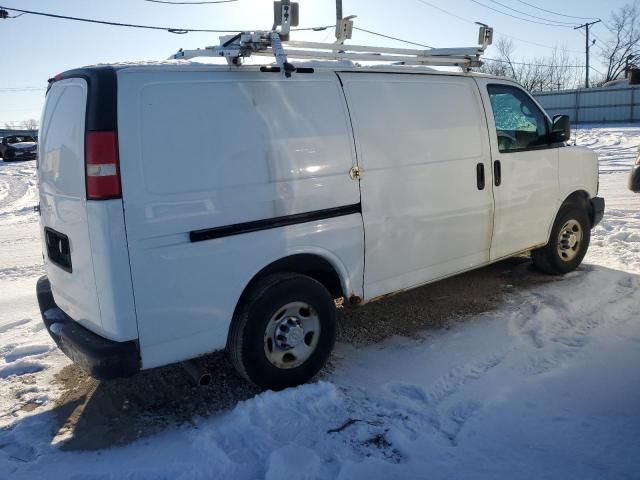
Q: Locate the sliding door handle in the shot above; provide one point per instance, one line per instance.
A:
(497, 173)
(480, 176)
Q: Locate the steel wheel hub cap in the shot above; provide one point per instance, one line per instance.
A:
(291, 335)
(569, 240)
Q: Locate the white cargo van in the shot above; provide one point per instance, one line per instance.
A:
(190, 208)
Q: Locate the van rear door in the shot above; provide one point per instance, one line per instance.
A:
(84, 242)
(66, 242)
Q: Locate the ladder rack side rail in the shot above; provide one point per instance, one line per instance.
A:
(311, 54)
(413, 60)
(394, 51)
(200, 52)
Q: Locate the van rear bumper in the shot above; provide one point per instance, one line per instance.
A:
(101, 358)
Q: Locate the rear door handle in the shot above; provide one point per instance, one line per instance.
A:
(497, 173)
(480, 176)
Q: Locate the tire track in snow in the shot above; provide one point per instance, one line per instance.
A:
(17, 188)
(556, 328)
(433, 406)
(15, 324)
(15, 273)
(25, 351)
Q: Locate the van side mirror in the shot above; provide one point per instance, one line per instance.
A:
(560, 129)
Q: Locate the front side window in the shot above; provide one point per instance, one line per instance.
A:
(520, 124)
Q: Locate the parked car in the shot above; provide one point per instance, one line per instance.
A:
(339, 182)
(634, 177)
(18, 147)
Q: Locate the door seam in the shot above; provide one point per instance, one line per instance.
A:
(355, 149)
(493, 193)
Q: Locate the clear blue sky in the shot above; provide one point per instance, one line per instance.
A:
(36, 48)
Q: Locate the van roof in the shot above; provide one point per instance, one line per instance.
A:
(340, 65)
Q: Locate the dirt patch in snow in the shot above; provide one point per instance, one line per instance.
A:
(436, 305)
(94, 415)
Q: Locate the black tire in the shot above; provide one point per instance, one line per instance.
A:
(248, 344)
(548, 259)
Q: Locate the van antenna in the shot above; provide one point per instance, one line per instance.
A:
(276, 43)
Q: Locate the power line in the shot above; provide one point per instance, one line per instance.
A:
(21, 89)
(445, 11)
(190, 3)
(486, 58)
(555, 13)
(596, 45)
(597, 38)
(148, 27)
(530, 15)
(533, 64)
(520, 18)
(392, 38)
(118, 24)
(494, 30)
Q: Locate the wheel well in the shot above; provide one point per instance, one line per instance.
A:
(313, 266)
(582, 199)
(579, 197)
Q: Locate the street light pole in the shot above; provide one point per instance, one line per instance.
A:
(587, 46)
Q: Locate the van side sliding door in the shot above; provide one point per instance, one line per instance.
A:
(525, 168)
(425, 180)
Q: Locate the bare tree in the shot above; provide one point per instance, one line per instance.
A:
(553, 72)
(30, 124)
(10, 126)
(625, 28)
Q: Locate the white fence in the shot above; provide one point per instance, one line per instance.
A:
(594, 105)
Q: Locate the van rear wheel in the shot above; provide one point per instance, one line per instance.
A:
(568, 243)
(283, 331)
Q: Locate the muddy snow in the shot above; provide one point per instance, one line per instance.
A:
(499, 373)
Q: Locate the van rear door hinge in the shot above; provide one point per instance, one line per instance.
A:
(354, 173)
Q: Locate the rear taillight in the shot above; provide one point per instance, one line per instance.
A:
(102, 166)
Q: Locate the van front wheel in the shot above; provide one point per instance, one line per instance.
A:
(568, 243)
(283, 331)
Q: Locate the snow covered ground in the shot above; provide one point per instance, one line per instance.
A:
(545, 386)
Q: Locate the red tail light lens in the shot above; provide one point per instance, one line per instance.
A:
(102, 166)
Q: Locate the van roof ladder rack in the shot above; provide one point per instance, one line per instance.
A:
(275, 44)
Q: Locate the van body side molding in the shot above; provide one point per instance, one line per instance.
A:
(270, 223)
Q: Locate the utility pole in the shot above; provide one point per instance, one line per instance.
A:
(338, 9)
(587, 46)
